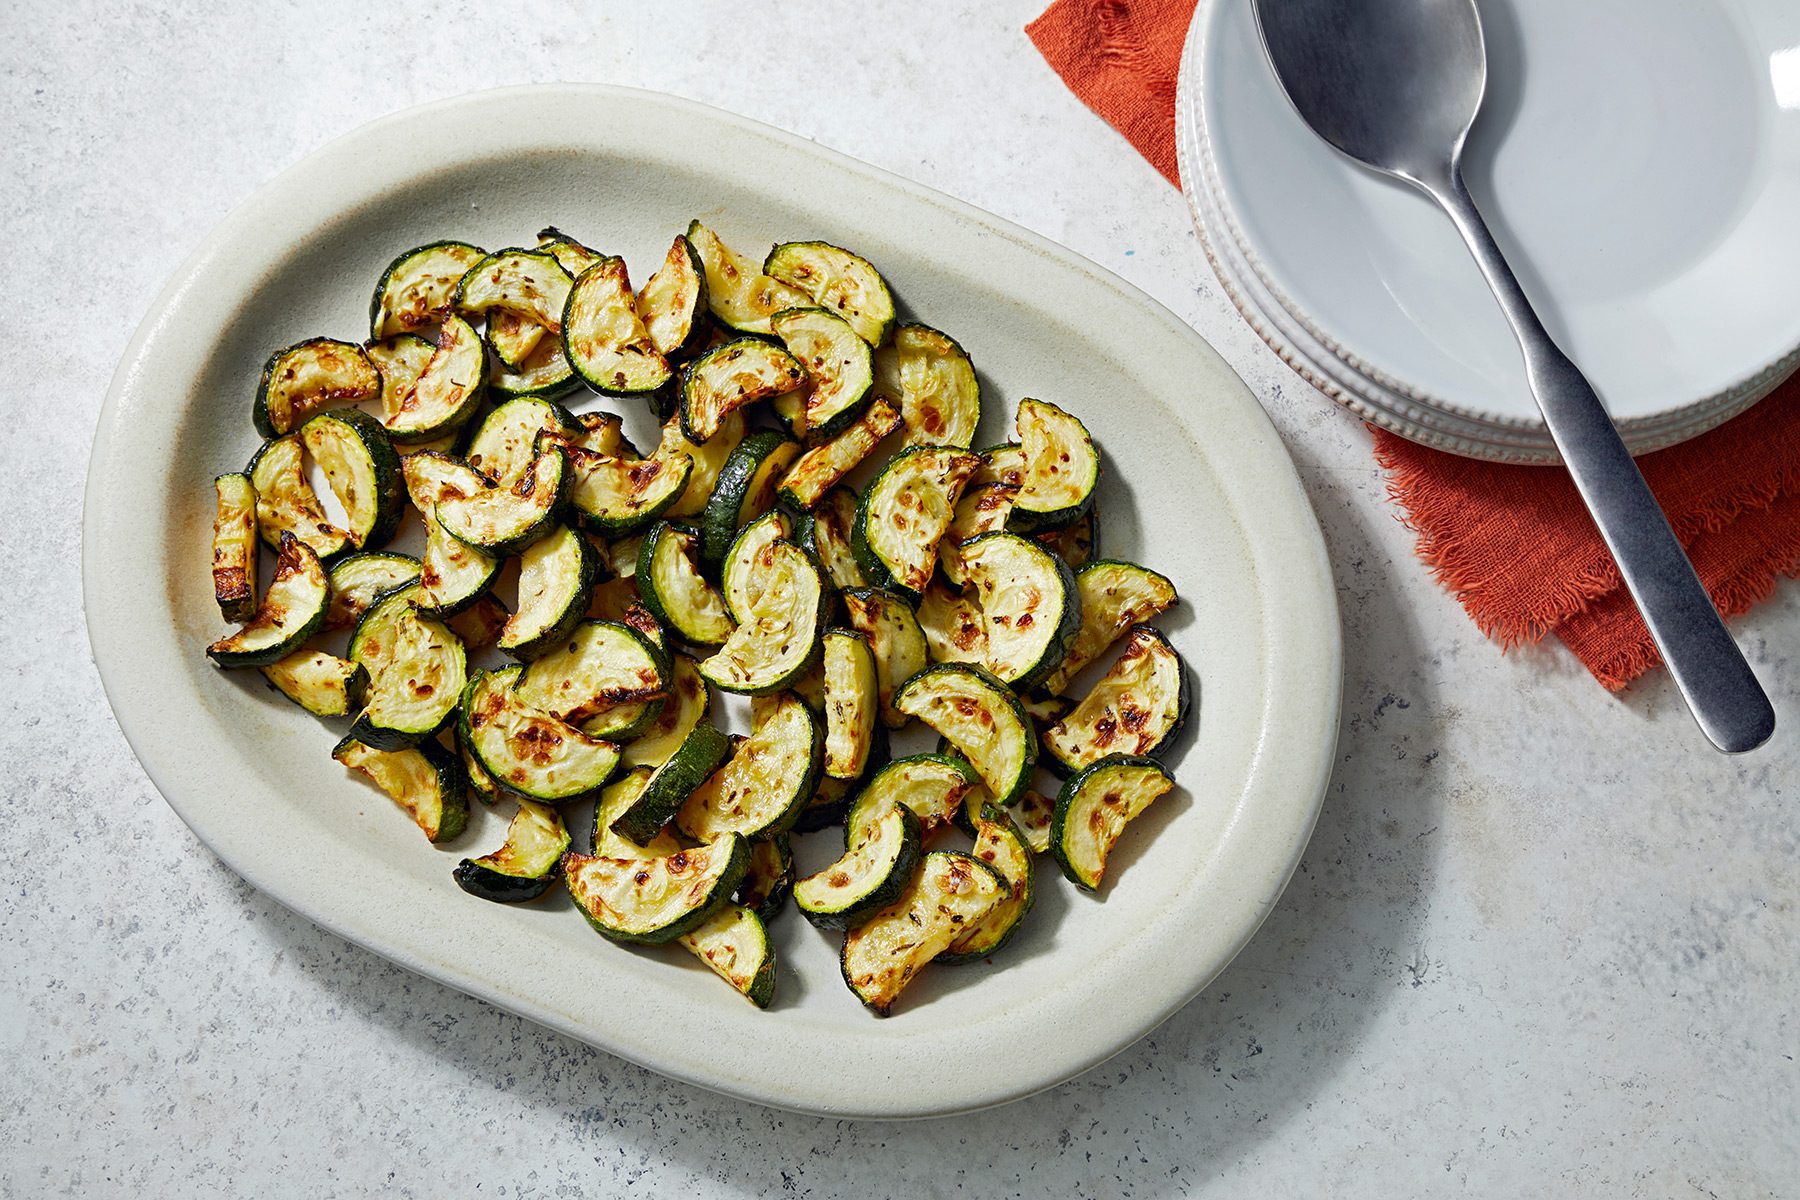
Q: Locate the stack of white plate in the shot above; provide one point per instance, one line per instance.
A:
(1639, 161)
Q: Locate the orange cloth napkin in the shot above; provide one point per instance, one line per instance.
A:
(1513, 544)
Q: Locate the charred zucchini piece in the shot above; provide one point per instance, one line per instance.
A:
(1077, 543)
(603, 338)
(744, 490)
(503, 521)
(729, 377)
(427, 781)
(446, 392)
(545, 373)
(234, 547)
(669, 580)
(779, 637)
(616, 496)
(1062, 468)
(852, 700)
(933, 786)
(1029, 603)
(556, 573)
(416, 667)
(672, 305)
(950, 893)
(838, 281)
(1004, 463)
(982, 509)
(1093, 809)
(954, 627)
(734, 943)
(525, 865)
(479, 625)
(981, 718)
(1115, 595)
(689, 701)
(824, 466)
(453, 575)
(1000, 844)
(826, 535)
(656, 899)
(292, 610)
(323, 684)
(418, 286)
(876, 866)
(1033, 815)
(892, 628)
(709, 460)
(599, 667)
(359, 462)
(760, 790)
(526, 749)
(400, 359)
(904, 512)
(745, 571)
(616, 799)
(308, 377)
(286, 502)
(671, 784)
(839, 365)
(506, 442)
(1136, 708)
(529, 284)
(770, 878)
(358, 580)
(569, 254)
(932, 380)
(738, 294)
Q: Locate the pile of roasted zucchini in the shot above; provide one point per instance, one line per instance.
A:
(959, 588)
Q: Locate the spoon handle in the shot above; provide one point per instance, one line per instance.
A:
(1720, 689)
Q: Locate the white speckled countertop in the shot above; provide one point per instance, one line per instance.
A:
(1544, 942)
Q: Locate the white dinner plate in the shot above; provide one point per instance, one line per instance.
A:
(1640, 162)
(1197, 484)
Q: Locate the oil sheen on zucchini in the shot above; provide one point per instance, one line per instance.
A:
(603, 337)
(359, 462)
(674, 590)
(358, 580)
(600, 666)
(851, 703)
(506, 520)
(744, 490)
(446, 392)
(323, 684)
(999, 844)
(728, 377)
(452, 574)
(735, 944)
(286, 502)
(672, 304)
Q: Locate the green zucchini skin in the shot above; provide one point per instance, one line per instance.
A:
(489, 878)
(484, 884)
(384, 464)
(672, 783)
(358, 381)
(884, 892)
(1028, 514)
(587, 572)
(432, 300)
(694, 627)
(1072, 794)
(310, 592)
(724, 514)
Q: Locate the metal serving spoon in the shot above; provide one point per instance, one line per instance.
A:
(1396, 84)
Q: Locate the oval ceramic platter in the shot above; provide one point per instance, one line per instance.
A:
(1198, 485)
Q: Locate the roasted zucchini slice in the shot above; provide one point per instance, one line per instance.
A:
(234, 547)
(708, 459)
(400, 359)
(526, 283)
(672, 305)
(738, 294)
(826, 534)
(852, 701)
(1062, 468)
(603, 338)
(323, 684)
(506, 442)
(876, 866)
(358, 580)
(770, 878)
(556, 573)
(669, 579)
(446, 392)
(1000, 844)
(954, 627)
(1004, 463)
(600, 666)
(776, 643)
(950, 893)
(427, 781)
(545, 372)
(417, 288)
(416, 667)
(981, 718)
(728, 377)
(745, 571)
(569, 254)
(904, 513)
(1093, 809)
(292, 610)
(1115, 595)
(617, 496)
(761, 789)
(839, 364)
(933, 786)
(513, 337)
(982, 509)
(286, 502)
(604, 433)
(1077, 543)
(689, 701)
(504, 521)
(1030, 604)
(525, 865)
(309, 377)
(824, 466)
(526, 749)
(672, 783)
(932, 380)
(734, 943)
(1033, 815)
(618, 797)
(359, 462)
(453, 575)
(1045, 708)
(896, 638)
(1136, 708)
(479, 625)
(656, 899)
(838, 281)
(744, 490)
